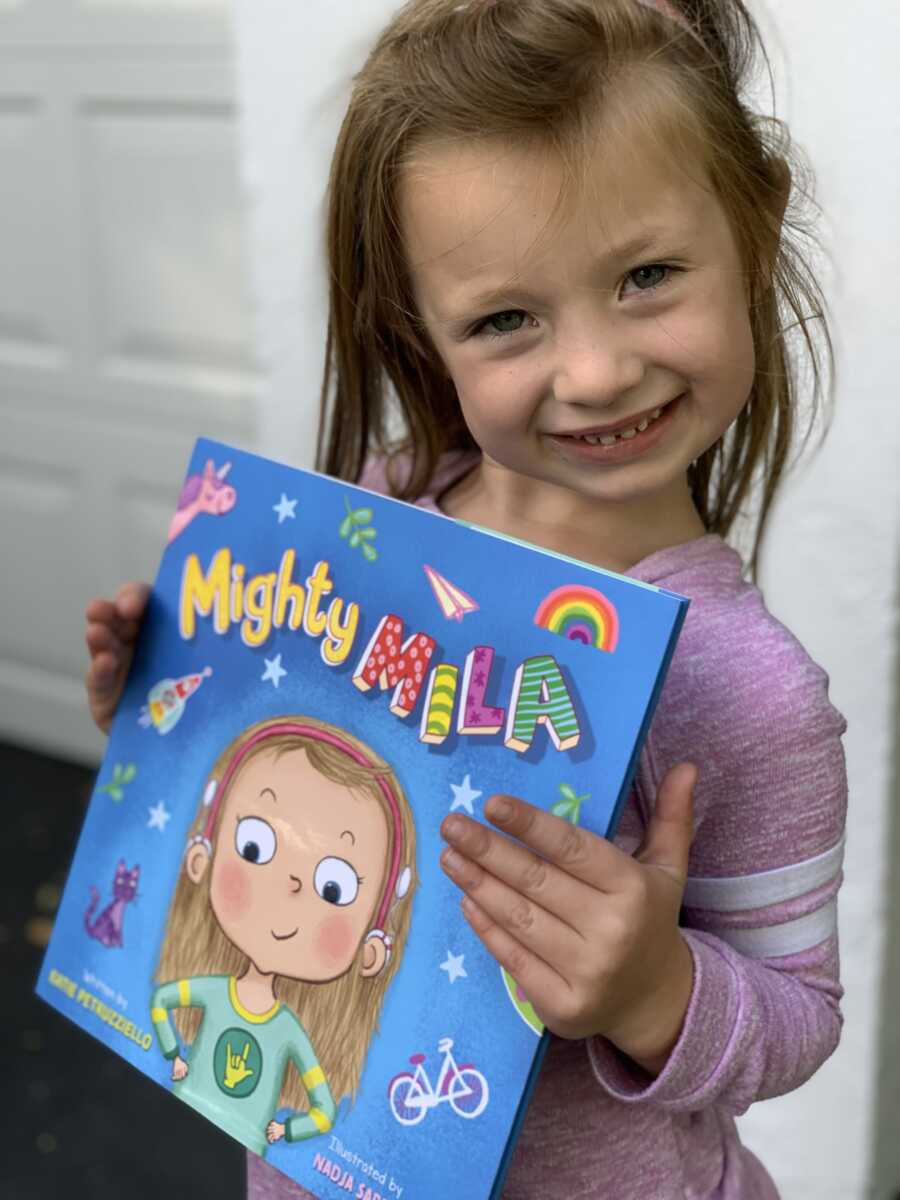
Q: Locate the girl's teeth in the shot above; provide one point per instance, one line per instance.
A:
(592, 439)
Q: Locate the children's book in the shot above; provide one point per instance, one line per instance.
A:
(256, 916)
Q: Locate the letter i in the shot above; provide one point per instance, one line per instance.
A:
(439, 700)
(237, 592)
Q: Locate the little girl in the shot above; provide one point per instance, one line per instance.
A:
(294, 897)
(558, 241)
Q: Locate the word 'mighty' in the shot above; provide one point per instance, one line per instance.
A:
(265, 602)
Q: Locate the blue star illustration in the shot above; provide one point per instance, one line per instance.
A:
(285, 508)
(453, 965)
(463, 795)
(274, 671)
(159, 817)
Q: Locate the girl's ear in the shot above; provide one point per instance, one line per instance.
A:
(374, 956)
(196, 861)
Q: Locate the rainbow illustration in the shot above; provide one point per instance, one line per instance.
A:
(581, 614)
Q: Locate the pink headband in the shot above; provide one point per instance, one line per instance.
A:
(214, 794)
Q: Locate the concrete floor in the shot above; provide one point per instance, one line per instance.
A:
(78, 1122)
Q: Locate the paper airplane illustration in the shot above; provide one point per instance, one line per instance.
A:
(453, 600)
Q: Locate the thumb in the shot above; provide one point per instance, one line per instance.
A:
(667, 843)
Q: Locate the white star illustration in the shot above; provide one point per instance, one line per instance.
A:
(463, 795)
(159, 816)
(274, 670)
(285, 508)
(453, 965)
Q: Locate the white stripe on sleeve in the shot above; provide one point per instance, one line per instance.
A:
(742, 892)
(775, 941)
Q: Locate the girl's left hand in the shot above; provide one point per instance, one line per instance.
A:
(274, 1131)
(588, 932)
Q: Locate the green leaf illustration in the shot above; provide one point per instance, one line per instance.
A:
(357, 530)
(121, 775)
(569, 808)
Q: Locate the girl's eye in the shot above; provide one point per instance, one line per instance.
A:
(336, 881)
(501, 324)
(649, 277)
(255, 840)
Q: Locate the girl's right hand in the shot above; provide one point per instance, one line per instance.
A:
(112, 629)
(179, 1068)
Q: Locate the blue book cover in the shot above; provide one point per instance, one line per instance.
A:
(256, 916)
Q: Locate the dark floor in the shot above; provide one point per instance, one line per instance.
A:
(78, 1122)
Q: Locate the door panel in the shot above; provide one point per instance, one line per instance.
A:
(126, 326)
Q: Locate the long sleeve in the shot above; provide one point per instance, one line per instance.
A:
(760, 906)
(180, 994)
(322, 1109)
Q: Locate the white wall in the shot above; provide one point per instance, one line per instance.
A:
(831, 567)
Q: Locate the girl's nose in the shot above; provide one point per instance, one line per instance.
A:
(596, 365)
(295, 880)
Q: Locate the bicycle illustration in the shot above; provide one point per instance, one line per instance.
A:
(464, 1088)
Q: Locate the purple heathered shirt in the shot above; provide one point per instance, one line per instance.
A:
(745, 702)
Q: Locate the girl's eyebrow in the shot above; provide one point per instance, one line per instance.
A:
(348, 834)
(271, 793)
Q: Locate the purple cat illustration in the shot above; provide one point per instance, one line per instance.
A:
(206, 493)
(107, 928)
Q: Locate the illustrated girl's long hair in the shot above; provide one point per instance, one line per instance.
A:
(558, 75)
(341, 1015)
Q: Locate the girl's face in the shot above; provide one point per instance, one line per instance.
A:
(561, 328)
(298, 867)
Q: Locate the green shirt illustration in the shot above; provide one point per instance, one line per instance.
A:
(238, 1060)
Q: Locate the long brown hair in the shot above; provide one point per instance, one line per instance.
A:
(341, 1015)
(543, 71)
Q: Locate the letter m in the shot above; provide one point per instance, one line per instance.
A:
(390, 662)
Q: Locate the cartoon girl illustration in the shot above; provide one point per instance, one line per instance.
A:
(290, 915)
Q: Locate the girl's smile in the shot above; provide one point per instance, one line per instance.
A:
(620, 442)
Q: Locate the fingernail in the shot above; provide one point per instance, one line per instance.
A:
(500, 809)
